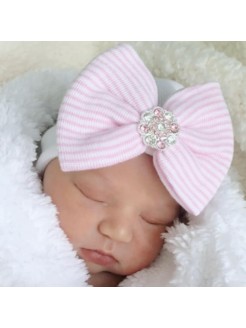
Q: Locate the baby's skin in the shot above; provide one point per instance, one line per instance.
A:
(113, 216)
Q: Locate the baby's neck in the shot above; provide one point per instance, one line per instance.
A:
(105, 279)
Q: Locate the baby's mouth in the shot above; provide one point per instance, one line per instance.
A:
(97, 257)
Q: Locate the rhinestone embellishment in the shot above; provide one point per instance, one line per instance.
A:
(158, 128)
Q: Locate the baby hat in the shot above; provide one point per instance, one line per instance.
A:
(111, 114)
(48, 145)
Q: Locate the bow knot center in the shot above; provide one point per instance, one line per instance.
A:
(158, 128)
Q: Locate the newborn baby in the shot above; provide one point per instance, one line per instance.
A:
(113, 216)
(114, 170)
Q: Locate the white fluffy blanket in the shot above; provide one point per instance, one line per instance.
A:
(210, 251)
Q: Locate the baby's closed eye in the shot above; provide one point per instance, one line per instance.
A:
(90, 195)
(152, 221)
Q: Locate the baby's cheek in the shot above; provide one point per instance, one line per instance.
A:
(80, 222)
(153, 243)
(144, 252)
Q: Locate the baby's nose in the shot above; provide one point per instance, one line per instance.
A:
(117, 228)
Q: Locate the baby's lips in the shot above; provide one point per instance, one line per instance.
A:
(97, 257)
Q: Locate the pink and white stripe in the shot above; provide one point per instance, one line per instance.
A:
(98, 119)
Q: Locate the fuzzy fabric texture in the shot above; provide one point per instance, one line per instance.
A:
(210, 251)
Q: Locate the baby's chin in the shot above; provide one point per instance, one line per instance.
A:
(105, 279)
(101, 277)
(94, 268)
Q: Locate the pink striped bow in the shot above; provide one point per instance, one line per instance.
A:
(99, 125)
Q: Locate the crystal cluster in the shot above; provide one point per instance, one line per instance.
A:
(158, 128)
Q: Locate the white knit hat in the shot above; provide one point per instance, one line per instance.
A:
(49, 148)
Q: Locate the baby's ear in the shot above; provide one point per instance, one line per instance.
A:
(183, 216)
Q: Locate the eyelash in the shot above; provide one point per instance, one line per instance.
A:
(88, 197)
(152, 223)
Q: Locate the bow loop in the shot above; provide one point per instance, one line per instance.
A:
(110, 92)
(193, 170)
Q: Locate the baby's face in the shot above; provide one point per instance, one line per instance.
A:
(113, 216)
